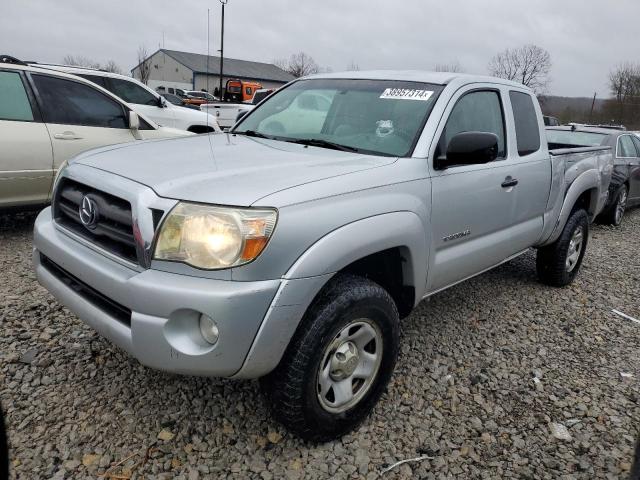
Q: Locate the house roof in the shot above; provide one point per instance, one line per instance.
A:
(232, 67)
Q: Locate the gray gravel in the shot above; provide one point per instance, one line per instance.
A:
(465, 391)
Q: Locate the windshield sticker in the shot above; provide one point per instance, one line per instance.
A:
(384, 128)
(407, 94)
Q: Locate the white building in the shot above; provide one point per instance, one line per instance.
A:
(171, 68)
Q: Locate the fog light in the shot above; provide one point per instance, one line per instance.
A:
(208, 329)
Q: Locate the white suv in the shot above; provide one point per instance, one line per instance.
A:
(144, 100)
(48, 117)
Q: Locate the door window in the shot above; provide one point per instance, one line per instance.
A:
(526, 120)
(626, 149)
(132, 93)
(73, 103)
(636, 142)
(96, 79)
(14, 103)
(479, 111)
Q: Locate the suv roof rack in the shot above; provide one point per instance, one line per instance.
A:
(10, 59)
(45, 65)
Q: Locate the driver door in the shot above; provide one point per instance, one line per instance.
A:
(79, 117)
(471, 209)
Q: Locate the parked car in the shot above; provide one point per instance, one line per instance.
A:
(228, 113)
(144, 100)
(48, 117)
(176, 100)
(551, 121)
(291, 256)
(624, 190)
(179, 92)
(240, 91)
(198, 98)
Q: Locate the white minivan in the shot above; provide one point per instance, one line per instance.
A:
(47, 118)
(144, 100)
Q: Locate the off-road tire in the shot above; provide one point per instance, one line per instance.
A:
(611, 216)
(291, 389)
(551, 260)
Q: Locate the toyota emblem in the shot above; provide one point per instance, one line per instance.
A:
(88, 212)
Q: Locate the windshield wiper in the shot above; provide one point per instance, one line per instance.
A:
(316, 142)
(253, 133)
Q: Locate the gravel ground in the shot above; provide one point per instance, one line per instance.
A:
(485, 370)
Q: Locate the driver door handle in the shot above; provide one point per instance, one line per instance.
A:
(66, 136)
(509, 182)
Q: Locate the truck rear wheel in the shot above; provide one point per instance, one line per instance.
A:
(558, 264)
(339, 361)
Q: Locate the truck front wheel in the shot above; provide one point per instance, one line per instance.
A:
(339, 361)
(558, 264)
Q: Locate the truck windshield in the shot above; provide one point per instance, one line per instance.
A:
(369, 116)
(568, 138)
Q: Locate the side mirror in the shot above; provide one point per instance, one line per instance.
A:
(469, 148)
(162, 102)
(241, 114)
(134, 120)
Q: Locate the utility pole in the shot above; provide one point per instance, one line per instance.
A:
(223, 2)
(593, 104)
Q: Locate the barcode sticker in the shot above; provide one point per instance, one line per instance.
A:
(407, 94)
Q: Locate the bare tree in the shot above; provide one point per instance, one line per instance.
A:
(453, 67)
(144, 64)
(529, 65)
(112, 67)
(624, 83)
(81, 61)
(299, 65)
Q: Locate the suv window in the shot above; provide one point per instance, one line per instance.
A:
(98, 80)
(526, 120)
(132, 93)
(626, 148)
(14, 103)
(636, 142)
(73, 103)
(479, 111)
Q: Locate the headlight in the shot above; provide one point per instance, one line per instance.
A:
(214, 237)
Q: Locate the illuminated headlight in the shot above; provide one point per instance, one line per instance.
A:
(211, 237)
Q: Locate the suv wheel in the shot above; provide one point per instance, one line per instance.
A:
(338, 363)
(558, 264)
(613, 215)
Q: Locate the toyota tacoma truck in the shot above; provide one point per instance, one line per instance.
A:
(289, 248)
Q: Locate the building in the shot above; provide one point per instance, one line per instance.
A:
(171, 68)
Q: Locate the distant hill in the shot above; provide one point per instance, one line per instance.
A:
(572, 109)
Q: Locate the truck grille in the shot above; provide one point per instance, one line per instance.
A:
(114, 309)
(103, 219)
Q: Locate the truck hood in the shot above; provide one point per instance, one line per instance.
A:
(225, 169)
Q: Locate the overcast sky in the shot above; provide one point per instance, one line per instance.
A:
(585, 40)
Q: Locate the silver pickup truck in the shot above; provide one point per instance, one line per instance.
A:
(289, 248)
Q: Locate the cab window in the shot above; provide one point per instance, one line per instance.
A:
(73, 103)
(526, 121)
(479, 111)
(14, 103)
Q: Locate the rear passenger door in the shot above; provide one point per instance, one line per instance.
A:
(634, 172)
(531, 167)
(472, 211)
(79, 117)
(26, 160)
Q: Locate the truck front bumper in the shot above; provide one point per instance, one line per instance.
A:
(151, 314)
